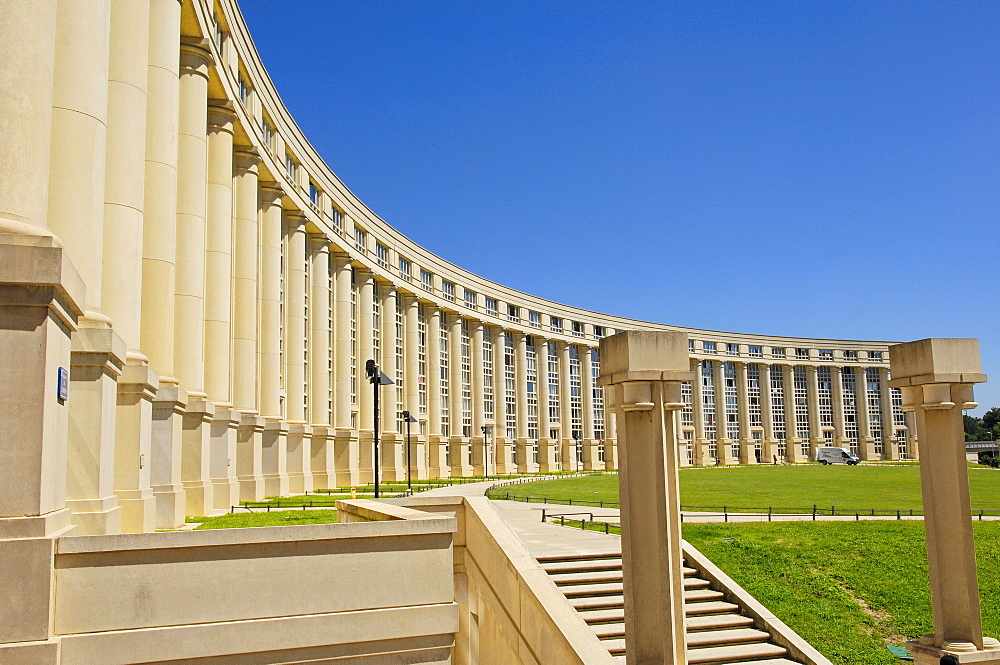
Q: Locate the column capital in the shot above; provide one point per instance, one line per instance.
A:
(318, 242)
(296, 220)
(221, 115)
(196, 56)
(935, 361)
(271, 193)
(246, 159)
(641, 355)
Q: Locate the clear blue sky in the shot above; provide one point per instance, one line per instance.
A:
(822, 169)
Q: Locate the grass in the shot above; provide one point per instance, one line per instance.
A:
(784, 488)
(274, 518)
(848, 588)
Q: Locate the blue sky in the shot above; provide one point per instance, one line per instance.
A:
(796, 168)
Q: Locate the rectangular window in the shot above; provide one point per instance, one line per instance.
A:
(404, 269)
(426, 280)
(488, 401)
(552, 365)
(577, 329)
(690, 346)
(244, 91)
(534, 319)
(470, 299)
(850, 355)
(755, 351)
(778, 409)
(687, 413)
(875, 355)
(732, 349)
(598, 332)
(448, 290)
(732, 405)
(360, 238)
(443, 383)
(826, 354)
(382, 255)
(801, 388)
(708, 347)
(753, 395)
(825, 393)
(399, 358)
(708, 408)
(777, 352)
(513, 313)
(849, 388)
(465, 372)
(510, 386)
(555, 324)
(598, 397)
(267, 133)
(873, 378)
(802, 354)
(336, 220)
(491, 306)
(422, 359)
(291, 168)
(531, 369)
(313, 193)
(575, 395)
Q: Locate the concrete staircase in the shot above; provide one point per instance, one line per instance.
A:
(719, 632)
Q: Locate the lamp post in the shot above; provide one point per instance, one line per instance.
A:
(486, 450)
(407, 418)
(377, 378)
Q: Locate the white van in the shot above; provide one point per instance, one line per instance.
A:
(832, 455)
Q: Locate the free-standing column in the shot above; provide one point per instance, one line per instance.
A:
(525, 460)
(482, 458)
(590, 453)
(458, 442)
(566, 443)
(274, 438)
(768, 446)
(701, 452)
(642, 372)
(866, 444)
(724, 446)
(791, 424)
(28, 28)
(502, 443)
(891, 445)
(837, 395)
(219, 254)
(79, 139)
(192, 164)
(815, 426)
(391, 460)
(159, 225)
(366, 352)
(748, 455)
(346, 444)
(320, 341)
(411, 385)
(296, 283)
(121, 294)
(937, 378)
(437, 444)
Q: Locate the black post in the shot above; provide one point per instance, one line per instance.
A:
(486, 450)
(406, 418)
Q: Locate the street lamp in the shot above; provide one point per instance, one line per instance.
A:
(486, 450)
(407, 418)
(377, 378)
(576, 450)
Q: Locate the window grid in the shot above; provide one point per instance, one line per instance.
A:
(687, 413)
(531, 368)
(552, 365)
(513, 313)
(755, 351)
(708, 347)
(470, 299)
(422, 360)
(575, 393)
(305, 338)
(875, 416)
(577, 329)
(329, 349)
(778, 409)
(802, 354)
(732, 407)
(354, 341)
(491, 306)
(708, 407)
(777, 352)
(732, 349)
(555, 324)
(382, 255)
(825, 394)
(448, 290)
(360, 239)
(801, 395)
(534, 319)
(753, 395)
(443, 364)
(850, 355)
(465, 372)
(510, 387)
(399, 359)
(848, 382)
(598, 397)
(488, 408)
(404, 269)
(426, 280)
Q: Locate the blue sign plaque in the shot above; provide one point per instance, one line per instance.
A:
(62, 384)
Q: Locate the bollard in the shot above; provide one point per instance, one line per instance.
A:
(898, 517)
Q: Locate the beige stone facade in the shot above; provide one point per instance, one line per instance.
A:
(235, 288)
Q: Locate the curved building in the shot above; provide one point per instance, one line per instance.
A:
(235, 288)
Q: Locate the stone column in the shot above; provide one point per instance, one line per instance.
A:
(159, 226)
(591, 459)
(482, 459)
(866, 444)
(643, 372)
(296, 283)
(79, 112)
(546, 445)
(98, 356)
(768, 446)
(219, 254)
(321, 463)
(437, 444)
(366, 352)
(192, 173)
(121, 296)
(42, 300)
(937, 378)
(815, 426)
(502, 444)
(28, 51)
(222, 458)
(748, 455)
(723, 442)
(458, 443)
(411, 385)
(391, 462)
(791, 424)
(346, 442)
(525, 461)
(701, 456)
(274, 437)
(567, 445)
(889, 442)
(837, 397)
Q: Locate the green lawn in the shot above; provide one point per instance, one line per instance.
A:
(848, 588)
(784, 488)
(273, 518)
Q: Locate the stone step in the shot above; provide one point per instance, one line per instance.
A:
(609, 631)
(736, 653)
(710, 607)
(587, 590)
(616, 614)
(597, 577)
(716, 622)
(620, 660)
(598, 603)
(582, 566)
(546, 559)
(726, 637)
(697, 595)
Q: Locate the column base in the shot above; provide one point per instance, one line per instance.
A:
(96, 517)
(392, 460)
(138, 510)
(249, 465)
(345, 457)
(458, 451)
(300, 478)
(321, 461)
(199, 498)
(225, 487)
(547, 456)
(170, 502)
(196, 457)
(526, 455)
(437, 448)
(274, 440)
(366, 476)
(926, 654)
